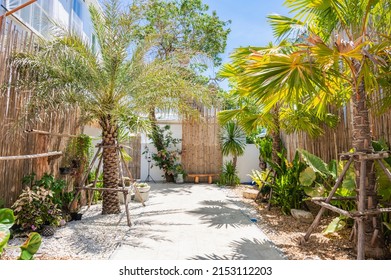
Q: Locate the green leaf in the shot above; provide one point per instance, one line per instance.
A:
(316, 163)
(30, 246)
(7, 217)
(388, 225)
(4, 236)
(307, 177)
(336, 224)
(317, 190)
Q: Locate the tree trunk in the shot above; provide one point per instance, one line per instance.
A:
(110, 165)
(275, 135)
(234, 161)
(362, 137)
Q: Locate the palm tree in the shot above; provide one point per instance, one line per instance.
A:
(233, 141)
(341, 54)
(271, 112)
(106, 84)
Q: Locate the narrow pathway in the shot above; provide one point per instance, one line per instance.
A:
(193, 222)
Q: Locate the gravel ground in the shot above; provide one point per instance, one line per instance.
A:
(94, 237)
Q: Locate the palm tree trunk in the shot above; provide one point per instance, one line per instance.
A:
(234, 161)
(110, 165)
(275, 135)
(362, 137)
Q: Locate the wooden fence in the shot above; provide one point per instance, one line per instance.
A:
(13, 140)
(201, 152)
(337, 140)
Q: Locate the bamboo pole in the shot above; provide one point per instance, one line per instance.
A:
(49, 154)
(35, 131)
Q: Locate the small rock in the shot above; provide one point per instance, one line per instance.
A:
(302, 216)
(250, 194)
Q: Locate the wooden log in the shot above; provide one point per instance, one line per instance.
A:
(49, 154)
(370, 212)
(334, 208)
(332, 192)
(333, 198)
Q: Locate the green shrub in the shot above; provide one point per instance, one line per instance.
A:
(35, 207)
(229, 175)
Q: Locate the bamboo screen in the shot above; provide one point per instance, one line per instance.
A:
(201, 152)
(13, 141)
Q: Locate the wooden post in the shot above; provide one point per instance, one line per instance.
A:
(315, 223)
(361, 209)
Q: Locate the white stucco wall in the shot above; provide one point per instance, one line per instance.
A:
(155, 172)
(247, 162)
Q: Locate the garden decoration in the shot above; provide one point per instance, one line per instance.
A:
(362, 212)
(92, 187)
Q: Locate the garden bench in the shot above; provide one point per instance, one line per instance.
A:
(197, 177)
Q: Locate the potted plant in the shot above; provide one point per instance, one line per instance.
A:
(143, 189)
(180, 174)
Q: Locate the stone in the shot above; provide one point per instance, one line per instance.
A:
(250, 193)
(302, 216)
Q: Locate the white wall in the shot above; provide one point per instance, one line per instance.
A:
(155, 172)
(247, 162)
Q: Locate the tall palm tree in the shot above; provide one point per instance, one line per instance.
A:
(106, 84)
(341, 54)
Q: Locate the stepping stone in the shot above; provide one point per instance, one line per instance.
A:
(250, 193)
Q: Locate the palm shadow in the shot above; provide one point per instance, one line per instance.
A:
(221, 214)
(246, 249)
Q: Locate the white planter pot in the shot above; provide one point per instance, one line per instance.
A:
(144, 193)
(179, 179)
(121, 195)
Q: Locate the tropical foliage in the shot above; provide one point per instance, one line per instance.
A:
(117, 80)
(29, 247)
(330, 53)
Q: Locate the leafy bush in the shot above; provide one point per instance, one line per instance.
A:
(167, 155)
(229, 175)
(288, 193)
(35, 207)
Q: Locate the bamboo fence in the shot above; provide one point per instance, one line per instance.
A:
(13, 140)
(201, 151)
(339, 139)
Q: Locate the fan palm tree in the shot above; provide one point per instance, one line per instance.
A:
(341, 54)
(106, 84)
(275, 115)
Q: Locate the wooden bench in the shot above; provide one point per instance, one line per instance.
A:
(197, 177)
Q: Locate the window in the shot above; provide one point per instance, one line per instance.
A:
(77, 8)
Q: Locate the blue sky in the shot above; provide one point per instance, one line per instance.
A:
(249, 25)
